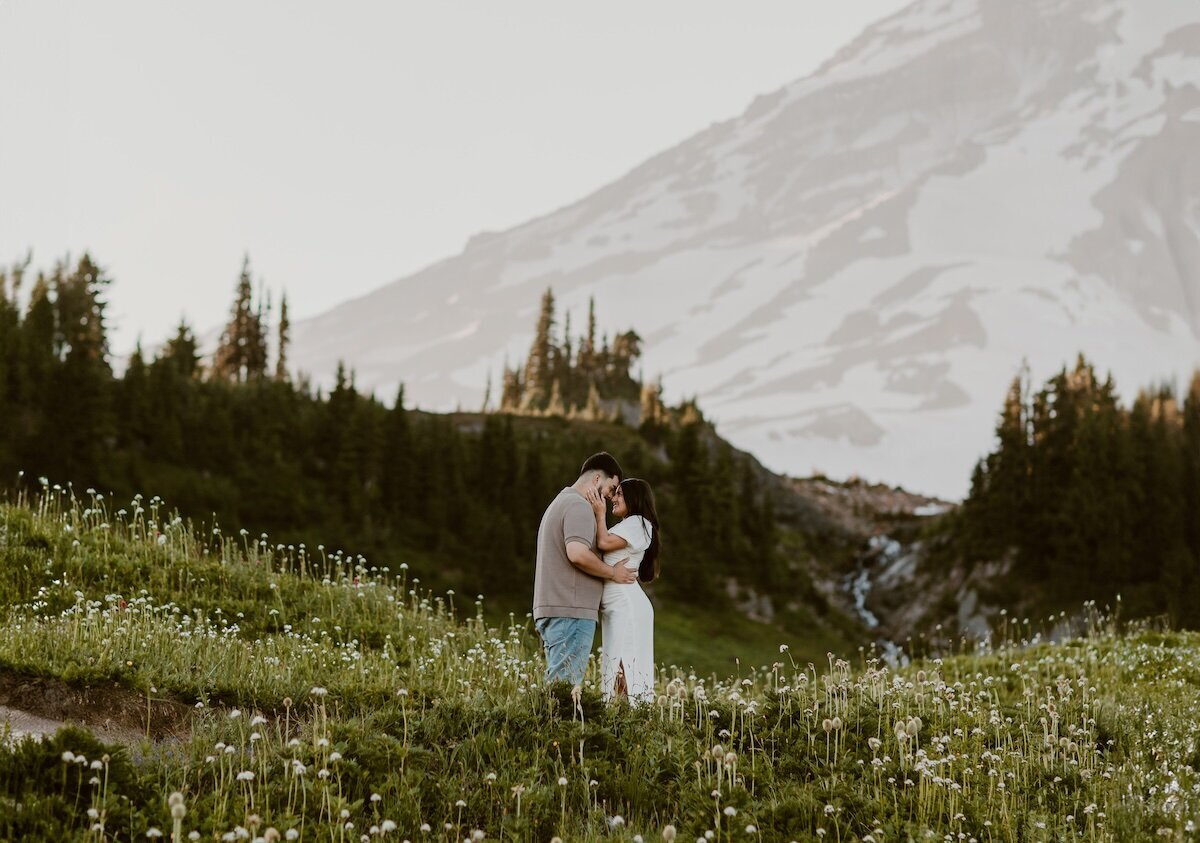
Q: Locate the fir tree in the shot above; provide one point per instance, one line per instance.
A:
(182, 353)
(241, 354)
(539, 367)
(285, 336)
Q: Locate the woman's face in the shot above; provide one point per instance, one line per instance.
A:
(619, 508)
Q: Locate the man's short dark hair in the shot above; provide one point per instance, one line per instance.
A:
(603, 462)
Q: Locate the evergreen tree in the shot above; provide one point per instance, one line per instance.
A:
(241, 354)
(1191, 465)
(539, 367)
(587, 350)
(512, 390)
(80, 412)
(182, 353)
(285, 336)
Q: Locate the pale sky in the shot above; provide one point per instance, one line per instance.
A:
(344, 145)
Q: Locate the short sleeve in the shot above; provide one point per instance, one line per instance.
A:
(579, 523)
(636, 531)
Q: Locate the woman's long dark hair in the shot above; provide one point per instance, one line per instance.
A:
(639, 500)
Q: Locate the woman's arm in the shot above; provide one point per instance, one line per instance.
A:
(605, 540)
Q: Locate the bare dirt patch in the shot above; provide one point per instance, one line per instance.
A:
(39, 705)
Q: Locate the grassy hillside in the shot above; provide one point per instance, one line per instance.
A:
(288, 694)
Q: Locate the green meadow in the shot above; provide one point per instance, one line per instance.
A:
(247, 690)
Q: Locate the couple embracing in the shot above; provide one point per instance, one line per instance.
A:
(588, 572)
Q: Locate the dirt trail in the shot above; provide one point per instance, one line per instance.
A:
(37, 705)
(17, 724)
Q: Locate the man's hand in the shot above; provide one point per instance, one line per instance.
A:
(582, 557)
(623, 575)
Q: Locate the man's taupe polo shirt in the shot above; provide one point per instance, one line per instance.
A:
(560, 590)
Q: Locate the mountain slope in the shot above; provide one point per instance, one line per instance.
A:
(849, 273)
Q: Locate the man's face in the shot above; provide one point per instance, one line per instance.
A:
(608, 485)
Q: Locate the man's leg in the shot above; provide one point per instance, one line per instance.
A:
(568, 643)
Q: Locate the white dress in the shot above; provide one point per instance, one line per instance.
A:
(627, 619)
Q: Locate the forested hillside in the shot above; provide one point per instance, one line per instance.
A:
(240, 442)
(1091, 499)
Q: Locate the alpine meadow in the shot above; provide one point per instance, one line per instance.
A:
(414, 427)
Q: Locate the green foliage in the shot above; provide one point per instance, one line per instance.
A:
(1094, 499)
(561, 379)
(461, 493)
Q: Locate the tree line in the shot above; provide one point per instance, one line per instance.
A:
(576, 376)
(1090, 498)
(236, 439)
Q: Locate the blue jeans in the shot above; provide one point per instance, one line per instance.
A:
(568, 643)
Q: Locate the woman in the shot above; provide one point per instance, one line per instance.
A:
(626, 616)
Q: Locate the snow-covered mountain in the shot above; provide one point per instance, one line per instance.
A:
(849, 273)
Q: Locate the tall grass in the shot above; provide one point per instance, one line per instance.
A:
(333, 699)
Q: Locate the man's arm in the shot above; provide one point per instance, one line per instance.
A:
(584, 559)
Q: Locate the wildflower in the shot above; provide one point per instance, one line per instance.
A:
(477, 835)
(783, 648)
(291, 834)
(375, 797)
(562, 781)
(318, 692)
(153, 833)
(730, 811)
(387, 826)
(668, 834)
(460, 804)
(489, 778)
(245, 776)
(750, 829)
(68, 757)
(616, 822)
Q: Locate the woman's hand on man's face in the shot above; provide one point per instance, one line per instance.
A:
(596, 499)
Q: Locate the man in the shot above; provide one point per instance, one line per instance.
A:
(569, 576)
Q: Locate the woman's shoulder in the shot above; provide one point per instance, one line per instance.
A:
(640, 521)
(634, 525)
